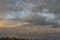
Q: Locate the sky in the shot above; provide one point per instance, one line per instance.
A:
(15, 6)
(15, 15)
(10, 9)
(8, 6)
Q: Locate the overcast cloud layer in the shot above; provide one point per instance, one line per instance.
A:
(14, 8)
(18, 5)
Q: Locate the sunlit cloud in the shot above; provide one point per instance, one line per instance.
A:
(4, 24)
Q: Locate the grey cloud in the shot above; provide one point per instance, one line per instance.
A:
(17, 5)
(9, 5)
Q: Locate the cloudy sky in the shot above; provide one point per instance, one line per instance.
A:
(8, 6)
(13, 8)
(41, 11)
